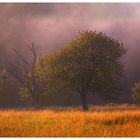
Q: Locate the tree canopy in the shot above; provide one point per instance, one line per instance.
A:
(90, 63)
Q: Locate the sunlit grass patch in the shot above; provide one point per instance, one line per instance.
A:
(38, 121)
(68, 123)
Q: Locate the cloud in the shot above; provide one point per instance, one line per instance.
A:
(50, 25)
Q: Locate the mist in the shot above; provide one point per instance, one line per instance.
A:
(51, 25)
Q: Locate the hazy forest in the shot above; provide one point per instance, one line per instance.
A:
(88, 84)
(90, 65)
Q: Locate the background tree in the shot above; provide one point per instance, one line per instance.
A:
(24, 70)
(136, 93)
(89, 63)
(8, 90)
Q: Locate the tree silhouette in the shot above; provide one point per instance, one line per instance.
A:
(90, 63)
(24, 70)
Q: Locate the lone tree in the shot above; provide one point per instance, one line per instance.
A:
(136, 93)
(24, 70)
(88, 64)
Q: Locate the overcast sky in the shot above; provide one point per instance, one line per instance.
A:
(50, 25)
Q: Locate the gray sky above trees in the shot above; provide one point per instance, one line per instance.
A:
(50, 25)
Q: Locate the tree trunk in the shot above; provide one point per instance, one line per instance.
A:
(84, 101)
(37, 102)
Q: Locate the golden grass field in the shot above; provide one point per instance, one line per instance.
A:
(100, 121)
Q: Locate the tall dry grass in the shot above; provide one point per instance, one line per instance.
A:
(105, 121)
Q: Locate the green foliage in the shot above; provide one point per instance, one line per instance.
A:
(47, 69)
(25, 96)
(89, 63)
(136, 92)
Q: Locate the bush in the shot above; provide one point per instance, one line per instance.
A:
(136, 93)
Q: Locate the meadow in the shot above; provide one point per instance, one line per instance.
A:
(100, 121)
